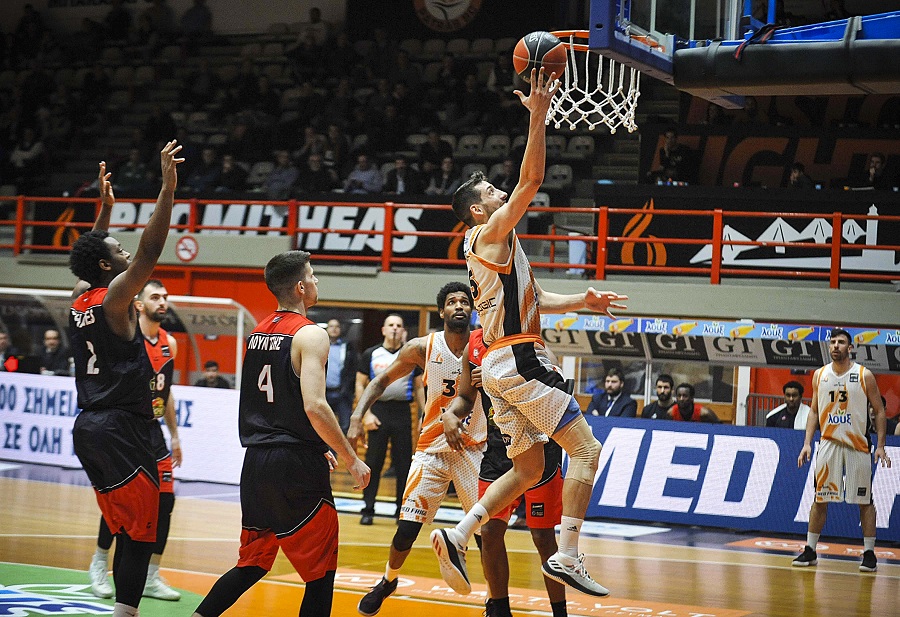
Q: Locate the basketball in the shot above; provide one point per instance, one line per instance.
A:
(539, 49)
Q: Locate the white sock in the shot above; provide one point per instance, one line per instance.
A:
(569, 531)
(101, 555)
(389, 573)
(869, 543)
(812, 539)
(123, 610)
(474, 518)
(152, 571)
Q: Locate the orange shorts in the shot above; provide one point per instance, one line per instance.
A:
(543, 503)
(132, 508)
(312, 548)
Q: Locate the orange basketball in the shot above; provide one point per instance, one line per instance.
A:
(539, 49)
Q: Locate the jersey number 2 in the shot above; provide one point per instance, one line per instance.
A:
(92, 361)
(264, 383)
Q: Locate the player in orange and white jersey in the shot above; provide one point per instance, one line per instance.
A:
(842, 392)
(435, 463)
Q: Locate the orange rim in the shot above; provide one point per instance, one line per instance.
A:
(565, 37)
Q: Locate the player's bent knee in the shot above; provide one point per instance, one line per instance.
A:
(407, 532)
(583, 449)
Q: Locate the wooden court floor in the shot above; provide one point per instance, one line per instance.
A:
(52, 524)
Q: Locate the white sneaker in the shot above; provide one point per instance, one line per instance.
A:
(452, 560)
(570, 571)
(156, 587)
(100, 586)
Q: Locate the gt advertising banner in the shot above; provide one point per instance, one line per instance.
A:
(37, 414)
(723, 476)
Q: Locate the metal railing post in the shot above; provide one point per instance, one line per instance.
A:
(834, 278)
(602, 247)
(715, 273)
(388, 246)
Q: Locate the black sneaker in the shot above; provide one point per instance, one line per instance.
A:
(869, 562)
(807, 558)
(371, 602)
(365, 519)
(492, 610)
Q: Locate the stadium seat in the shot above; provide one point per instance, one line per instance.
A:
(433, 49)
(412, 46)
(458, 47)
(495, 147)
(580, 147)
(556, 145)
(504, 45)
(541, 199)
(483, 48)
(469, 146)
(557, 177)
(471, 168)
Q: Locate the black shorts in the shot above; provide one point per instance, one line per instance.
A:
(281, 486)
(495, 463)
(158, 441)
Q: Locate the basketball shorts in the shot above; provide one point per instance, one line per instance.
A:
(529, 394)
(842, 474)
(429, 477)
(286, 502)
(163, 458)
(543, 502)
(114, 449)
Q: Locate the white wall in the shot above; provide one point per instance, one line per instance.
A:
(229, 16)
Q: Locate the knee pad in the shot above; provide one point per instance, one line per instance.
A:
(407, 532)
(583, 449)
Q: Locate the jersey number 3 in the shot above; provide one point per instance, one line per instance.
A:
(264, 383)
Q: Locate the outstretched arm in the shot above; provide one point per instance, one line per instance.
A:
(107, 201)
(593, 300)
(125, 286)
(531, 174)
(812, 422)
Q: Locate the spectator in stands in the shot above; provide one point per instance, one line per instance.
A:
(54, 358)
(36, 88)
(266, 104)
(244, 143)
(307, 58)
(280, 181)
(232, 177)
(244, 87)
(507, 178)
(313, 143)
(133, 177)
(873, 175)
(444, 180)
(613, 400)
(716, 116)
(340, 102)
(405, 72)
(365, 177)
(434, 149)
(211, 377)
(196, 21)
(27, 160)
(319, 29)
(674, 160)
(159, 125)
(687, 410)
(389, 133)
(95, 85)
(201, 86)
(382, 54)
(403, 179)
(799, 179)
(8, 360)
(502, 79)
(117, 23)
(146, 38)
(659, 409)
(203, 177)
(162, 17)
(793, 412)
(337, 149)
(343, 60)
(469, 107)
(315, 178)
(30, 24)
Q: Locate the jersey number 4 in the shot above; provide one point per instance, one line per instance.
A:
(264, 383)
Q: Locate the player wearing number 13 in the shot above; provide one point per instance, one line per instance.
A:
(287, 427)
(111, 436)
(843, 467)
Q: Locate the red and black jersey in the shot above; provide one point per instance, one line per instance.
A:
(271, 409)
(163, 364)
(110, 373)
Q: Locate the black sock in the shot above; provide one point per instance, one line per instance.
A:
(228, 589)
(559, 609)
(318, 596)
(104, 536)
(501, 605)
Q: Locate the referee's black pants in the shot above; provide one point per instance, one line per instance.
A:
(396, 428)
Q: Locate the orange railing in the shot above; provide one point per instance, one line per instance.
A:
(600, 243)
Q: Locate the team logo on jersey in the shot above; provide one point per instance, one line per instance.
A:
(277, 319)
(854, 378)
(439, 359)
(164, 350)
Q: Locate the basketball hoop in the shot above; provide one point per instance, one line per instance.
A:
(595, 89)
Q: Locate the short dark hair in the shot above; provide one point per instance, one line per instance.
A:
(450, 288)
(841, 332)
(689, 387)
(666, 378)
(150, 283)
(210, 364)
(615, 372)
(282, 270)
(88, 250)
(798, 167)
(465, 196)
(796, 385)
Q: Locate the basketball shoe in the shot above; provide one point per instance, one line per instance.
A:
(156, 587)
(869, 562)
(451, 559)
(807, 558)
(371, 602)
(570, 571)
(100, 586)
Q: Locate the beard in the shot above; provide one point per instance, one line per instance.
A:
(156, 316)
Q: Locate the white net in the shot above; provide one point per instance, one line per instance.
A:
(595, 90)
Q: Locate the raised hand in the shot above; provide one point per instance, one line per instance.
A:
(542, 90)
(168, 162)
(106, 190)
